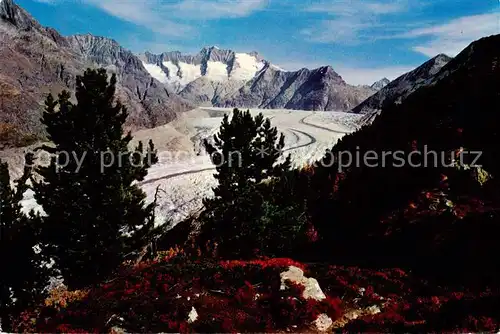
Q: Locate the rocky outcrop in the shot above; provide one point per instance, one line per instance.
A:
(206, 92)
(311, 285)
(193, 315)
(153, 103)
(378, 85)
(399, 89)
(311, 290)
(18, 17)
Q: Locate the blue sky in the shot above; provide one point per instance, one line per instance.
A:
(364, 40)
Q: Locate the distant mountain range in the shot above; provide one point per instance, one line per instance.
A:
(224, 78)
(218, 65)
(35, 60)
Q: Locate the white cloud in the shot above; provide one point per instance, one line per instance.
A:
(435, 47)
(48, 2)
(155, 43)
(145, 13)
(215, 9)
(349, 7)
(452, 37)
(353, 21)
(367, 76)
(168, 17)
(343, 31)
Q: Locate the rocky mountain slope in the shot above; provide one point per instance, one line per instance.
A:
(36, 60)
(223, 78)
(400, 88)
(439, 220)
(318, 89)
(431, 209)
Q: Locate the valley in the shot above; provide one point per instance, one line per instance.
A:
(185, 173)
(298, 240)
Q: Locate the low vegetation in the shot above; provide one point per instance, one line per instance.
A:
(393, 249)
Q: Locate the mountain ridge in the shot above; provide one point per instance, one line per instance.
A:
(225, 78)
(37, 60)
(178, 70)
(400, 88)
(157, 87)
(318, 89)
(378, 85)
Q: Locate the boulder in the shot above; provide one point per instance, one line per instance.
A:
(193, 315)
(311, 285)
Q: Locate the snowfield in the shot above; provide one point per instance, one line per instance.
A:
(181, 73)
(184, 173)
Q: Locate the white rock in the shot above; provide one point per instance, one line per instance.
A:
(374, 309)
(323, 322)
(354, 314)
(117, 330)
(312, 288)
(193, 315)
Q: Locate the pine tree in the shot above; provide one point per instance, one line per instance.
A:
(24, 276)
(95, 213)
(246, 152)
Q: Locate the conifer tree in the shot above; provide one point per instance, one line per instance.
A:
(24, 276)
(246, 152)
(95, 213)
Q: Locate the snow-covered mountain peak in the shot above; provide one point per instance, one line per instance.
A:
(225, 78)
(219, 65)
